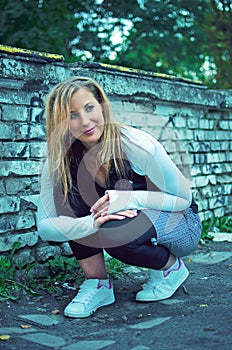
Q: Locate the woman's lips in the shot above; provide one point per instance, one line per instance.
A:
(90, 131)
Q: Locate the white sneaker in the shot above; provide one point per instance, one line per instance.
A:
(161, 284)
(89, 298)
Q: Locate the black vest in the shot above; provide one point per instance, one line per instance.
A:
(85, 191)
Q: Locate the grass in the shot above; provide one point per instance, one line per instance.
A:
(17, 280)
(13, 279)
(57, 273)
(213, 225)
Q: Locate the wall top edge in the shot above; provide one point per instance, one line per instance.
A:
(29, 72)
(11, 50)
(30, 53)
(134, 71)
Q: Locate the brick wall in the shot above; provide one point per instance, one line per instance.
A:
(192, 122)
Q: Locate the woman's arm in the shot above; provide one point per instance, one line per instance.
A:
(148, 157)
(58, 228)
(123, 200)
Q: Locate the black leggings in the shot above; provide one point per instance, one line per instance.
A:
(139, 252)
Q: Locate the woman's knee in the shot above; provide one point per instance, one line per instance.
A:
(124, 253)
(119, 252)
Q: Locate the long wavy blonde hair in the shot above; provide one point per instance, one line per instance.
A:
(58, 112)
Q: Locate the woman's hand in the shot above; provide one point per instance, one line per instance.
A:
(101, 207)
(100, 220)
(100, 212)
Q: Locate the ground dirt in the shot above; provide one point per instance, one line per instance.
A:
(198, 316)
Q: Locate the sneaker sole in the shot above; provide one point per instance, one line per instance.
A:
(87, 314)
(184, 277)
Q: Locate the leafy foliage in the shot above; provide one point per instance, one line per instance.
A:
(13, 278)
(186, 38)
(216, 224)
(17, 280)
(191, 39)
(115, 267)
(61, 270)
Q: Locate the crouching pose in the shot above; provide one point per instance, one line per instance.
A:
(113, 187)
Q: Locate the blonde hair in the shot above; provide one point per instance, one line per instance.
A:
(58, 113)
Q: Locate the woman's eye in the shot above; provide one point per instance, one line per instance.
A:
(89, 108)
(74, 115)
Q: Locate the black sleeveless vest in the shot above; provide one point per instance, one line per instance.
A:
(85, 191)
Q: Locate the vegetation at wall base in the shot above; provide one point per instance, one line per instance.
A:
(64, 272)
(58, 273)
(13, 277)
(214, 225)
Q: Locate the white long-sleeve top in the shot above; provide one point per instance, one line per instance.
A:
(147, 157)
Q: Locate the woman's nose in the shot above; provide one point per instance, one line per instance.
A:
(84, 119)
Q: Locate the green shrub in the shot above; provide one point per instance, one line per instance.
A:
(213, 225)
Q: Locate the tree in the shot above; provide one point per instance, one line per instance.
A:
(79, 30)
(191, 39)
(218, 44)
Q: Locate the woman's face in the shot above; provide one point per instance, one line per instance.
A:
(86, 120)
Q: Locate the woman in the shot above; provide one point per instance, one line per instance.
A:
(106, 185)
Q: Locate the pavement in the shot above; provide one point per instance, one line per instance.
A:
(197, 317)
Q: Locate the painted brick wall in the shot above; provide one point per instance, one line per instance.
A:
(192, 122)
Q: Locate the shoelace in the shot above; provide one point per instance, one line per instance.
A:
(150, 284)
(84, 294)
(156, 288)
